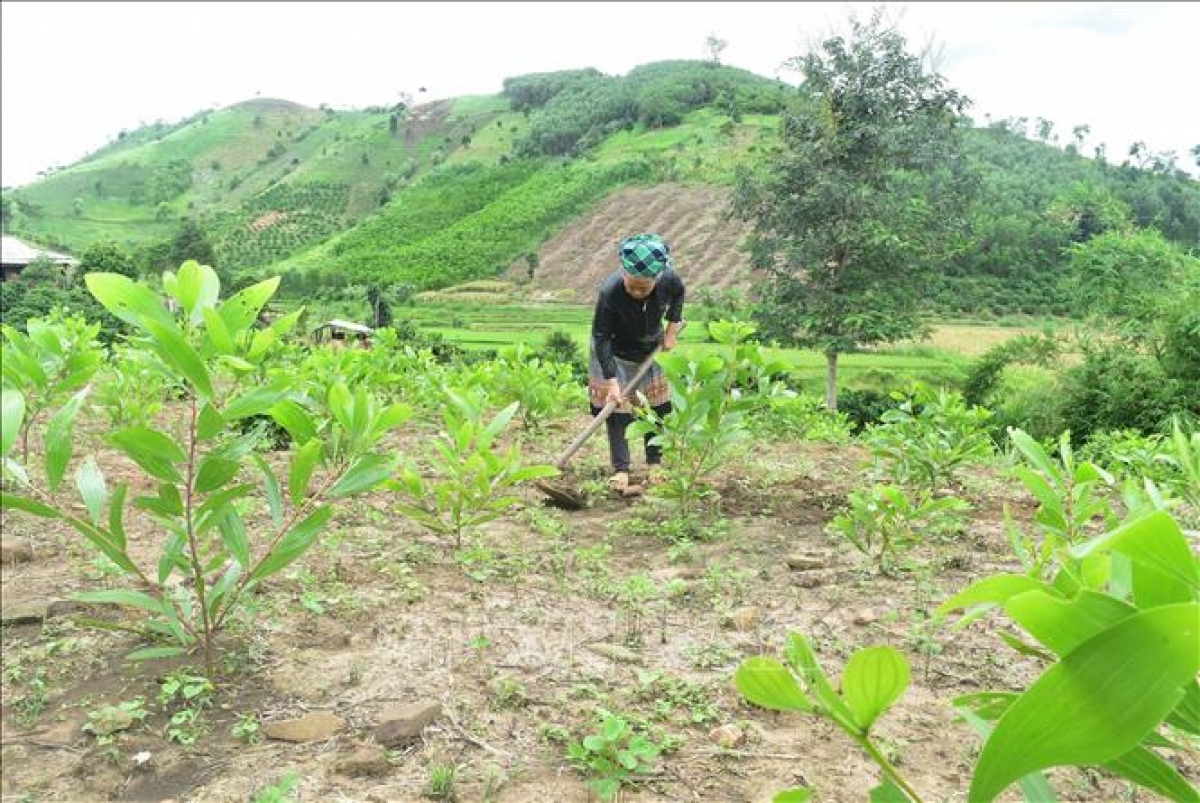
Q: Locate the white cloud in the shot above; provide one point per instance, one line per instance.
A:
(75, 74)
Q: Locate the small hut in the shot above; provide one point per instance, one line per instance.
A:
(15, 256)
(342, 333)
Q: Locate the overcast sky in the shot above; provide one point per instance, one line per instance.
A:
(75, 74)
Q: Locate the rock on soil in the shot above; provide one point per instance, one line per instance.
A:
(315, 727)
(399, 723)
(368, 760)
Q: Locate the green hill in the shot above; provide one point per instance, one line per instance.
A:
(471, 187)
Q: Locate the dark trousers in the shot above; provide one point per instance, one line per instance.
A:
(618, 447)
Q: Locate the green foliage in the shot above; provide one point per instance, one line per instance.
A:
(1125, 273)
(107, 720)
(1115, 387)
(133, 388)
(473, 479)
(873, 680)
(541, 389)
(281, 791)
(1117, 627)
(54, 358)
(928, 436)
(851, 215)
(613, 755)
(441, 781)
(883, 522)
(190, 695)
(985, 374)
(711, 400)
(199, 494)
(801, 416)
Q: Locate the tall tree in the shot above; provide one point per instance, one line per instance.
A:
(850, 214)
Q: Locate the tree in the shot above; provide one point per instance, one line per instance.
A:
(714, 46)
(107, 257)
(852, 213)
(381, 310)
(191, 243)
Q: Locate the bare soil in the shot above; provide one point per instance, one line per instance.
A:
(381, 613)
(705, 246)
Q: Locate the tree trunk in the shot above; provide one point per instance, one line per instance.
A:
(831, 358)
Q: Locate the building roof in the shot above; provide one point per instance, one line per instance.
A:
(337, 323)
(16, 252)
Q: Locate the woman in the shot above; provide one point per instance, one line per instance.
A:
(626, 327)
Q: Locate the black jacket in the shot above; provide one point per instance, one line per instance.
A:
(630, 328)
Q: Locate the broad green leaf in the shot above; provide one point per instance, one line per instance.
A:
(168, 503)
(172, 557)
(12, 413)
(60, 440)
(526, 473)
(294, 544)
(1155, 540)
(104, 542)
(800, 655)
(769, 684)
(1186, 715)
(271, 490)
(130, 301)
(214, 472)
(341, 405)
(873, 679)
(92, 489)
(213, 508)
(233, 535)
(366, 473)
(241, 310)
(1034, 453)
(1034, 786)
(217, 332)
(888, 792)
(1151, 588)
(171, 346)
(1145, 768)
(991, 591)
(209, 423)
(119, 596)
(151, 450)
(501, 420)
(1062, 625)
(10, 501)
(295, 419)
(303, 464)
(1098, 702)
(795, 795)
(253, 402)
(116, 516)
(150, 653)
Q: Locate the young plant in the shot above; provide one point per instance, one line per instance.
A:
(613, 756)
(884, 522)
(1119, 627)
(53, 359)
(132, 388)
(711, 400)
(201, 495)
(190, 695)
(102, 723)
(929, 436)
(873, 680)
(473, 479)
(1070, 500)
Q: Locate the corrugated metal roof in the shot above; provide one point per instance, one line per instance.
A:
(16, 252)
(338, 323)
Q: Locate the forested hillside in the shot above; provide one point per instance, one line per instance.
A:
(436, 194)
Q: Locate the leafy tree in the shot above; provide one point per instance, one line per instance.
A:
(850, 213)
(714, 46)
(190, 243)
(107, 257)
(381, 310)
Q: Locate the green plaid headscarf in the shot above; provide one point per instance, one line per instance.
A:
(645, 256)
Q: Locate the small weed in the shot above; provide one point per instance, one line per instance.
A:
(192, 693)
(247, 729)
(441, 782)
(676, 699)
(508, 692)
(282, 791)
(613, 755)
(106, 721)
(711, 656)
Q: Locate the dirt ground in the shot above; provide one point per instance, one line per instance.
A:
(381, 613)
